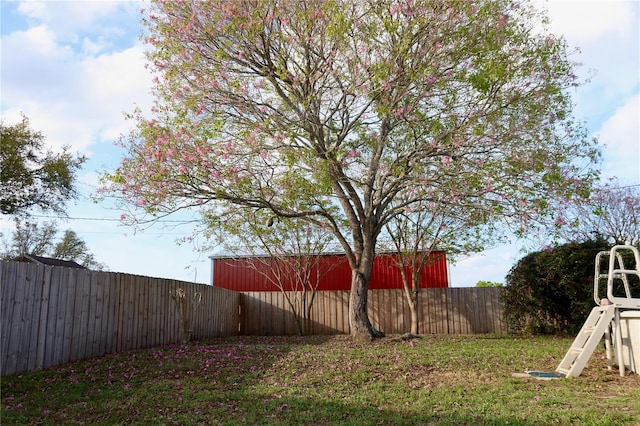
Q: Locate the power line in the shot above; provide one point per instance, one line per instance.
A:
(145, 233)
(96, 219)
(104, 219)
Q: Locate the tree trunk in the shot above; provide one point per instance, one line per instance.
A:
(411, 292)
(413, 309)
(414, 303)
(361, 327)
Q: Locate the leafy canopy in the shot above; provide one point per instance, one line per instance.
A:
(484, 284)
(346, 114)
(612, 213)
(29, 176)
(42, 240)
(552, 290)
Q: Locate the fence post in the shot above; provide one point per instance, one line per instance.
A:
(44, 312)
(241, 314)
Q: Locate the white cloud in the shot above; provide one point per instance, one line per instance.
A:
(585, 21)
(29, 59)
(608, 35)
(74, 97)
(621, 135)
(120, 76)
(33, 9)
(40, 40)
(93, 47)
(68, 18)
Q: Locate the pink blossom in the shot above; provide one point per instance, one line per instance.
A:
(560, 221)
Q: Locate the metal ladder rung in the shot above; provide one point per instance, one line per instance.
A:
(624, 272)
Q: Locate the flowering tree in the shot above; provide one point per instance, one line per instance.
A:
(285, 252)
(414, 235)
(327, 111)
(612, 213)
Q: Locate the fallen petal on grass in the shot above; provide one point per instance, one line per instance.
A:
(325, 380)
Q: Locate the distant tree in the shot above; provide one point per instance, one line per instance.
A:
(29, 238)
(415, 234)
(483, 283)
(551, 291)
(328, 111)
(72, 247)
(612, 213)
(31, 177)
(286, 252)
(40, 240)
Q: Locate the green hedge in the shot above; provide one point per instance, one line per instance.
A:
(551, 291)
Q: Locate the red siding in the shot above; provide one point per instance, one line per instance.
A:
(248, 274)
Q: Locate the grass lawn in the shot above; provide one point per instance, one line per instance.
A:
(436, 380)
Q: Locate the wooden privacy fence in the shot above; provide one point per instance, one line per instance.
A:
(53, 315)
(441, 311)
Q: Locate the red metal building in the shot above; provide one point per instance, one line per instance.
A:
(255, 273)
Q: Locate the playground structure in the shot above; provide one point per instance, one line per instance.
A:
(616, 316)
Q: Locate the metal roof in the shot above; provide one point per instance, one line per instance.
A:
(48, 261)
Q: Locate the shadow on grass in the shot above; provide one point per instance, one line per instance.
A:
(316, 380)
(137, 387)
(302, 411)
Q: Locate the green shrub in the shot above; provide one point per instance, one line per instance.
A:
(551, 291)
(483, 283)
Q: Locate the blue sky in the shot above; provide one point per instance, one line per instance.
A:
(75, 68)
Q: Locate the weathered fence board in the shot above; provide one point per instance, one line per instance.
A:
(440, 311)
(52, 315)
(17, 322)
(30, 320)
(43, 316)
(6, 310)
